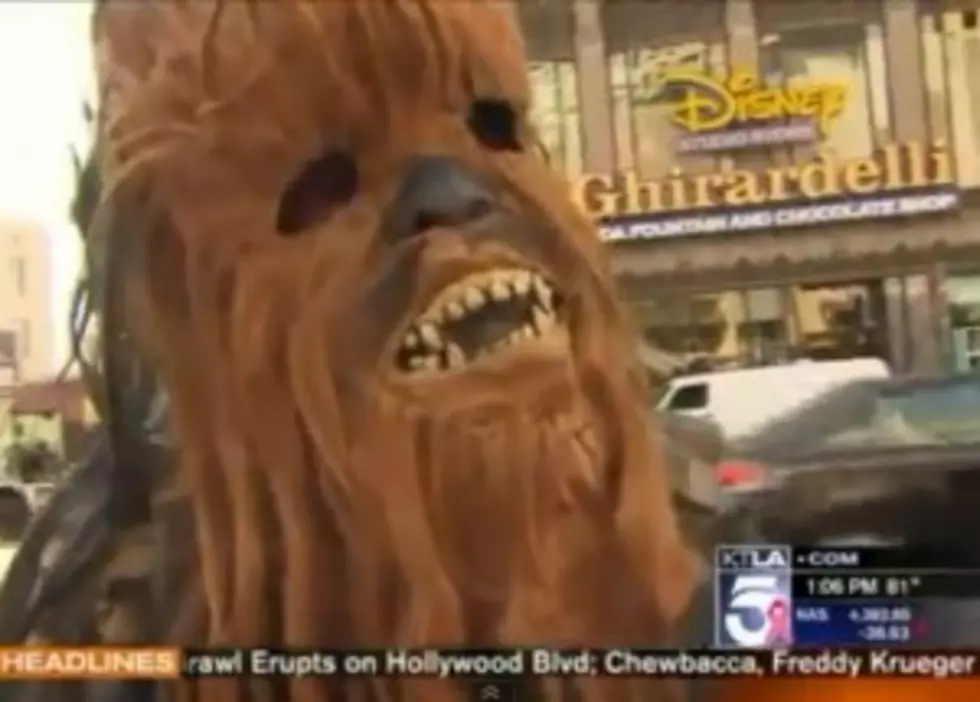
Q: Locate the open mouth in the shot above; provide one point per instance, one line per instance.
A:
(479, 316)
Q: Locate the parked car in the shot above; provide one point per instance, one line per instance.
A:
(692, 447)
(889, 463)
(922, 500)
(911, 481)
(888, 422)
(741, 401)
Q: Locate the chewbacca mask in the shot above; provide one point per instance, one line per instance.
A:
(401, 387)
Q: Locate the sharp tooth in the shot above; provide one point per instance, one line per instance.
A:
(416, 362)
(522, 283)
(515, 337)
(545, 293)
(474, 299)
(454, 310)
(528, 332)
(430, 335)
(430, 363)
(499, 290)
(411, 340)
(543, 320)
(455, 356)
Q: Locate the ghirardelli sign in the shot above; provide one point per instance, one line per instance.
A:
(738, 112)
(899, 180)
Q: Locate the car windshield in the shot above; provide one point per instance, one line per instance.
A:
(948, 411)
(877, 414)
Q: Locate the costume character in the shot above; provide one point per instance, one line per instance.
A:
(365, 378)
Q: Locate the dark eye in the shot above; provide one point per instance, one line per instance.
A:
(324, 184)
(495, 124)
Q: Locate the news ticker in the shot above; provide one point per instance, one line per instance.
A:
(159, 663)
(774, 595)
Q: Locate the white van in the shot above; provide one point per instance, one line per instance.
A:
(741, 401)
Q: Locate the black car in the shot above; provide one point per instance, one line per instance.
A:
(692, 447)
(875, 422)
(879, 462)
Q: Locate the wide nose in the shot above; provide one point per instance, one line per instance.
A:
(436, 192)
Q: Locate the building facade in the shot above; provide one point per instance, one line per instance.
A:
(776, 179)
(26, 330)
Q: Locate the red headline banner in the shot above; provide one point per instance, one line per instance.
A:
(102, 662)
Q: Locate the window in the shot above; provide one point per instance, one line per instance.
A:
(683, 324)
(553, 75)
(916, 413)
(644, 41)
(808, 426)
(949, 409)
(555, 112)
(689, 397)
(763, 337)
(643, 106)
(843, 320)
(963, 297)
(966, 348)
(832, 53)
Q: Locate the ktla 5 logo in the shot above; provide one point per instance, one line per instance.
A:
(758, 612)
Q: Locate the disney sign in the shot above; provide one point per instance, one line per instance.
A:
(742, 112)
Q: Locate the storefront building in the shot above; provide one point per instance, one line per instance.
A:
(776, 180)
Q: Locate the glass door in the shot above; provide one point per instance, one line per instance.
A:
(966, 349)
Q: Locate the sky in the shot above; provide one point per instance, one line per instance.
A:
(45, 75)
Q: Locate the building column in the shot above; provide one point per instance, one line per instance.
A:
(906, 84)
(743, 45)
(910, 122)
(942, 326)
(593, 88)
(926, 355)
(914, 322)
(897, 323)
(743, 53)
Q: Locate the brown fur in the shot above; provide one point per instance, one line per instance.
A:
(335, 503)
